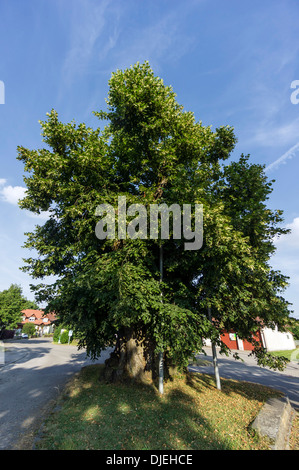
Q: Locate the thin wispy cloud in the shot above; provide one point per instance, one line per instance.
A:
(283, 159)
(88, 37)
(98, 28)
(271, 133)
(161, 41)
(93, 34)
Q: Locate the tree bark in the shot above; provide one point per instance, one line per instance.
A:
(134, 360)
(131, 359)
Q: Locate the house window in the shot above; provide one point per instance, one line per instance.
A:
(31, 318)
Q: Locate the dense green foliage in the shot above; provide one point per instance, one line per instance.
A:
(151, 151)
(294, 327)
(29, 329)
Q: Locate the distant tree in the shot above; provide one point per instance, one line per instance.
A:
(12, 302)
(294, 327)
(29, 329)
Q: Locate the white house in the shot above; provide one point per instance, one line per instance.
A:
(43, 323)
(274, 340)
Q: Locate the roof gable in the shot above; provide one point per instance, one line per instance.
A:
(38, 314)
(29, 312)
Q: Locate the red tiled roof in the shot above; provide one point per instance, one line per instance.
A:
(39, 316)
(38, 313)
(51, 316)
(29, 312)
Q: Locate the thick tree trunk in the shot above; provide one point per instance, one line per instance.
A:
(131, 359)
(134, 360)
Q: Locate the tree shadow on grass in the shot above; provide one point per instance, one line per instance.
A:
(92, 414)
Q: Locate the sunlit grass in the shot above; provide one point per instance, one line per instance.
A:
(192, 414)
(292, 355)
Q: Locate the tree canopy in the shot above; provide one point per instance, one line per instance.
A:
(151, 151)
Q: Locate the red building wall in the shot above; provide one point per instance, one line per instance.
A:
(226, 339)
(230, 340)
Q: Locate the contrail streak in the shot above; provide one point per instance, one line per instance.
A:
(289, 154)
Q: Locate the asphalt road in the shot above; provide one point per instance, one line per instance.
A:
(32, 375)
(286, 381)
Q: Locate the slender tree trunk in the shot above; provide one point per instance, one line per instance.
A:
(215, 362)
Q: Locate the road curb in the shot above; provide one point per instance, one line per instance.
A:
(274, 421)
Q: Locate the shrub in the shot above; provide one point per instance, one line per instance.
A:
(64, 336)
(29, 329)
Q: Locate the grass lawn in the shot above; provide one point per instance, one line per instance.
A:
(294, 436)
(292, 355)
(192, 414)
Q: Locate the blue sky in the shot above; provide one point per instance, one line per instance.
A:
(230, 62)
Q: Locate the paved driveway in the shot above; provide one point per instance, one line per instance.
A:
(286, 381)
(32, 374)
